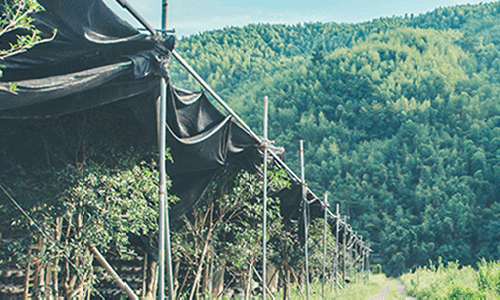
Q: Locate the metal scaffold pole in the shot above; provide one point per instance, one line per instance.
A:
(264, 225)
(164, 226)
(324, 244)
(344, 252)
(350, 263)
(367, 266)
(305, 209)
(336, 262)
(163, 218)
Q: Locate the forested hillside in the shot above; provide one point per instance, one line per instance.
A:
(401, 118)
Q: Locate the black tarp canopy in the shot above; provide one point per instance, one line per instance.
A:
(96, 59)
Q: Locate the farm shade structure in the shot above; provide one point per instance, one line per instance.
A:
(97, 59)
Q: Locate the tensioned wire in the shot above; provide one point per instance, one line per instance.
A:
(45, 234)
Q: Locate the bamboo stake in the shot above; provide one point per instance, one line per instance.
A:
(59, 223)
(248, 280)
(123, 285)
(298, 283)
(260, 278)
(264, 213)
(208, 280)
(200, 265)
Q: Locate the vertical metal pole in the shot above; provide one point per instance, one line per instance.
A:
(305, 206)
(350, 264)
(164, 14)
(344, 251)
(356, 263)
(362, 254)
(368, 262)
(324, 243)
(363, 265)
(336, 265)
(163, 192)
(360, 263)
(264, 229)
(164, 238)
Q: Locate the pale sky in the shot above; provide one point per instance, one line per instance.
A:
(196, 16)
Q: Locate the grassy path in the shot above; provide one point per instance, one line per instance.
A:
(379, 287)
(393, 289)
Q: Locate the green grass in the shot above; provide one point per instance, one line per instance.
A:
(352, 291)
(454, 281)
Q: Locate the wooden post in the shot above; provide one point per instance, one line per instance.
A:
(58, 233)
(305, 209)
(264, 213)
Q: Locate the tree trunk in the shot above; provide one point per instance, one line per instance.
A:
(26, 294)
(152, 279)
(144, 275)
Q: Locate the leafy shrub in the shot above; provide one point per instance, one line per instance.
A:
(377, 269)
(454, 281)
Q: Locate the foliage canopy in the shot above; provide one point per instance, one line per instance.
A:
(400, 115)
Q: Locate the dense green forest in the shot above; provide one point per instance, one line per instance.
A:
(401, 118)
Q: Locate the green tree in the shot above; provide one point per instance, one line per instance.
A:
(16, 17)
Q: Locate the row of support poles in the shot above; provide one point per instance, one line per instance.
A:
(164, 234)
(355, 256)
(276, 157)
(305, 216)
(264, 225)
